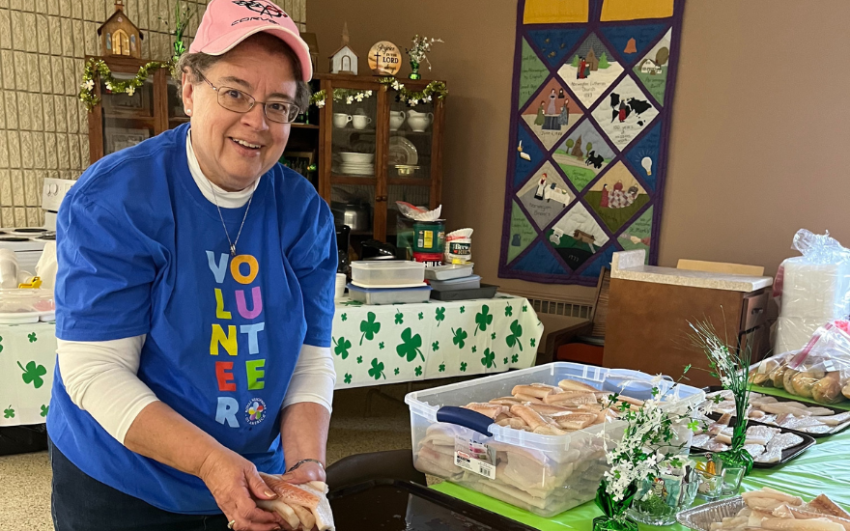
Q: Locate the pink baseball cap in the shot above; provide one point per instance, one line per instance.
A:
(226, 23)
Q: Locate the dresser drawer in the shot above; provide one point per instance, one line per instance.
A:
(754, 310)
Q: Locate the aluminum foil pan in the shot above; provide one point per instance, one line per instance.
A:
(701, 518)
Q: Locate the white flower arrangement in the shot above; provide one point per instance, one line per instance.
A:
(650, 439)
(421, 46)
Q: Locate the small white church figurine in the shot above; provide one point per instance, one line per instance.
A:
(344, 60)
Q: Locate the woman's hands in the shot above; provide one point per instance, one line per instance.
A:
(233, 480)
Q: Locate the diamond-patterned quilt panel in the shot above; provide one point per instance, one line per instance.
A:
(638, 235)
(522, 232)
(626, 113)
(545, 195)
(552, 113)
(554, 44)
(583, 154)
(652, 69)
(532, 73)
(591, 70)
(629, 42)
(616, 197)
(577, 236)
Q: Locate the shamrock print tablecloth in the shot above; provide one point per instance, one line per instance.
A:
(376, 345)
(27, 358)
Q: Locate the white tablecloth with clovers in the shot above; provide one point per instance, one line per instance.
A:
(27, 358)
(376, 345)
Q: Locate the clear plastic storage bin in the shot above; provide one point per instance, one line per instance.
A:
(389, 296)
(544, 474)
(387, 273)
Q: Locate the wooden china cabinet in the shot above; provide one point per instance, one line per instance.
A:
(395, 159)
(120, 121)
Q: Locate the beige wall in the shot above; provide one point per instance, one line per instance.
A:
(43, 126)
(759, 133)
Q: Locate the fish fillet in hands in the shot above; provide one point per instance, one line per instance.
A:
(322, 512)
(309, 498)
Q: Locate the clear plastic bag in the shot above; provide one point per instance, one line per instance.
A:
(811, 290)
(820, 370)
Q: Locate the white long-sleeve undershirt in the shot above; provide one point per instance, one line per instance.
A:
(101, 376)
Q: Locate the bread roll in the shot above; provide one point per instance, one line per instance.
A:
(828, 390)
(802, 384)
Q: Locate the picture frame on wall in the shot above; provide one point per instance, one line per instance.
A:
(118, 139)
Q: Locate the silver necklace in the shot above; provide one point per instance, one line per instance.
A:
(221, 217)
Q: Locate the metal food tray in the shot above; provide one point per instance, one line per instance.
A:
(787, 454)
(833, 431)
(700, 518)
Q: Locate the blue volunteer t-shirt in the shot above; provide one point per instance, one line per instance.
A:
(142, 251)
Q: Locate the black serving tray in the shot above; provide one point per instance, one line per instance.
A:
(787, 454)
(486, 291)
(833, 431)
(394, 505)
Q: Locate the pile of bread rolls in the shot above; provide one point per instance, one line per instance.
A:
(825, 380)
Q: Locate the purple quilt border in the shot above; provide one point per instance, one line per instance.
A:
(594, 24)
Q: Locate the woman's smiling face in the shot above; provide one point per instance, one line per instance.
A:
(235, 149)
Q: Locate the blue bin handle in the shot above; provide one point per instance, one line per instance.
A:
(466, 418)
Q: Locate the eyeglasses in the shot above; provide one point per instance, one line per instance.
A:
(282, 112)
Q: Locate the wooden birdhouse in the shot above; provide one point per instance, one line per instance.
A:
(344, 60)
(119, 36)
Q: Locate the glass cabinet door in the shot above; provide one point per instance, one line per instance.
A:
(354, 137)
(410, 142)
(127, 120)
(354, 164)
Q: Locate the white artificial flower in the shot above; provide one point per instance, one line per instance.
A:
(108, 86)
(428, 99)
(88, 85)
(359, 97)
(368, 92)
(413, 102)
(395, 85)
(131, 90)
(349, 100)
(320, 103)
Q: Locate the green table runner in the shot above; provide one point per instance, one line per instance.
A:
(823, 468)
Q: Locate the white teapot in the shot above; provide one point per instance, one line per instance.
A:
(419, 121)
(396, 119)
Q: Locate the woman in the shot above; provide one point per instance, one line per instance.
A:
(194, 302)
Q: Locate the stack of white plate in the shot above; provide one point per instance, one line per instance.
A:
(350, 163)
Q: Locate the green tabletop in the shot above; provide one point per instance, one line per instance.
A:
(823, 468)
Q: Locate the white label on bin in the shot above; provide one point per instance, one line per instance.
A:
(476, 457)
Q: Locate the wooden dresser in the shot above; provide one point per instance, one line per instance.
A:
(650, 308)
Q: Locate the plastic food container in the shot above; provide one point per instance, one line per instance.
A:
(448, 272)
(389, 296)
(544, 474)
(383, 273)
(457, 284)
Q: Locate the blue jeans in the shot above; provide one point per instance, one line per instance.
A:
(81, 503)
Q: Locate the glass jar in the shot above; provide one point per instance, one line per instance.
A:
(608, 523)
(658, 501)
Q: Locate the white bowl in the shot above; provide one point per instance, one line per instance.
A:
(357, 157)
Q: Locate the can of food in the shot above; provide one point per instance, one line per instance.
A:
(459, 246)
(429, 259)
(429, 236)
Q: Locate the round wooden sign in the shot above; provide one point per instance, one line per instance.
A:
(385, 59)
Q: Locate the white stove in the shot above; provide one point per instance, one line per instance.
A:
(28, 242)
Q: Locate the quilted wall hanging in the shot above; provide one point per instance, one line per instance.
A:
(592, 95)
